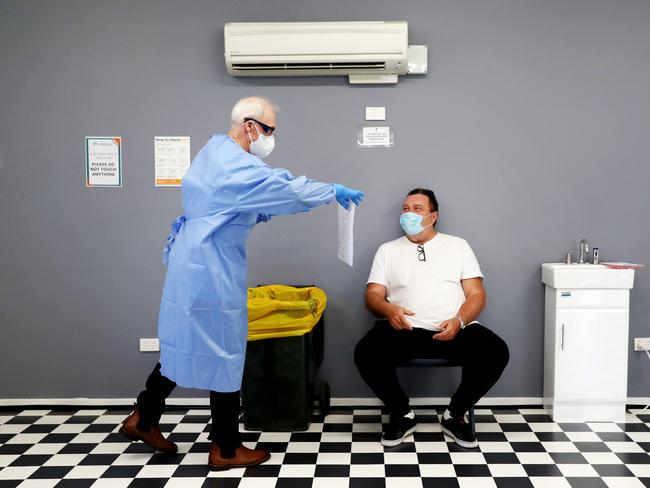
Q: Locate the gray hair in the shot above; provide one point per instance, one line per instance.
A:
(253, 107)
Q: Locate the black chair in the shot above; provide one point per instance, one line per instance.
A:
(439, 363)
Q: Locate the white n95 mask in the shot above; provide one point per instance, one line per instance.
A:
(263, 146)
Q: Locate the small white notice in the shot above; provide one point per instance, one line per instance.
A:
(346, 233)
(103, 161)
(375, 113)
(171, 159)
(375, 136)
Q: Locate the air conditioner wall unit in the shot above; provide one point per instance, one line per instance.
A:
(368, 52)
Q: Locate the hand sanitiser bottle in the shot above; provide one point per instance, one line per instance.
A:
(594, 256)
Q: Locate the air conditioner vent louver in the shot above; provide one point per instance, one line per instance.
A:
(308, 66)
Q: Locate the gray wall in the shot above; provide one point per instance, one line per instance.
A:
(532, 126)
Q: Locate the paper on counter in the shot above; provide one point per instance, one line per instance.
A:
(346, 231)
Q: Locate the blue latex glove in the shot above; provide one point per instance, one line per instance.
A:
(343, 194)
(262, 218)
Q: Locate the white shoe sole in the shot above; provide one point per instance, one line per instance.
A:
(460, 442)
(397, 442)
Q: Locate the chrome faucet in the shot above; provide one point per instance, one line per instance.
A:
(584, 248)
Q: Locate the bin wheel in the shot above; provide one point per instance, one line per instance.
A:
(324, 397)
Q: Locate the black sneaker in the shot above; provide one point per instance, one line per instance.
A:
(458, 430)
(398, 429)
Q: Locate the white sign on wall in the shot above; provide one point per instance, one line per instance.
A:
(171, 159)
(103, 161)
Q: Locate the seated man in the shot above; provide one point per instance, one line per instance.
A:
(428, 288)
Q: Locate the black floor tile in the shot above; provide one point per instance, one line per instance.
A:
(513, 483)
(463, 470)
(332, 470)
(586, 482)
(542, 470)
(402, 470)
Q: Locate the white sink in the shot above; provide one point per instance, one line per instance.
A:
(559, 275)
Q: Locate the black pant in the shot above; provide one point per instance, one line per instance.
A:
(482, 354)
(224, 409)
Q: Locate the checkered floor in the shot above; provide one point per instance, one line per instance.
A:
(518, 448)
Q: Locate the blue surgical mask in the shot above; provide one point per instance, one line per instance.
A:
(412, 223)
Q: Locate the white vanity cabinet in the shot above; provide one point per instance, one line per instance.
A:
(586, 341)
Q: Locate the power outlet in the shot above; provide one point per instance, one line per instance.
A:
(642, 343)
(149, 344)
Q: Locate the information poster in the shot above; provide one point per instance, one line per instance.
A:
(376, 136)
(103, 161)
(171, 160)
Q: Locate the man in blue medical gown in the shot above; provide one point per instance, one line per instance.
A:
(203, 319)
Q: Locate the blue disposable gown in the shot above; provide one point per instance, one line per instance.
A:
(203, 319)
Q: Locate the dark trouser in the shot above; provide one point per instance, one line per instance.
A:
(224, 409)
(482, 354)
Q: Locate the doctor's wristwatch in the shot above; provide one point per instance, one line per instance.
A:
(462, 322)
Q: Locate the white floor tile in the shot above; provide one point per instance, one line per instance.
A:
(17, 472)
(577, 470)
(549, 482)
(111, 448)
(583, 437)
(303, 447)
(604, 427)
(400, 458)
(336, 437)
(431, 446)
(157, 471)
(331, 483)
(495, 447)
(437, 471)
(49, 483)
(188, 428)
(65, 460)
(86, 472)
(560, 447)
(366, 447)
(623, 482)
(257, 483)
(403, 482)
(339, 419)
(362, 471)
(535, 458)
(639, 436)
(46, 448)
(476, 482)
(510, 419)
(185, 483)
(297, 471)
(52, 420)
(544, 427)
(341, 458)
(521, 437)
(467, 458)
(137, 459)
(12, 428)
(507, 470)
(639, 470)
(112, 483)
(624, 447)
(7, 459)
(602, 458)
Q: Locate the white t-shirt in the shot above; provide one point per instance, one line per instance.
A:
(430, 288)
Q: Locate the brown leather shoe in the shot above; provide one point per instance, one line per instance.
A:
(243, 457)
(153, 438)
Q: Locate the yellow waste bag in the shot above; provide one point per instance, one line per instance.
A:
(283, 311)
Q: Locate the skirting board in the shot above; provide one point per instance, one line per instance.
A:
(335, 402)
